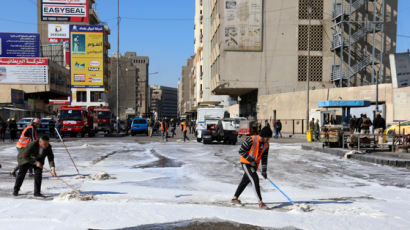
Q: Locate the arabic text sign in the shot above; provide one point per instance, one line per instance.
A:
(87, 49)
(64, 10)
(19, 45)
(243, 25)
(23, 71)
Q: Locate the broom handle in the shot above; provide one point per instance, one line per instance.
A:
(59, 178)
(66, 149)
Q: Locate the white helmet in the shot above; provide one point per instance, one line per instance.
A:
(36, 121)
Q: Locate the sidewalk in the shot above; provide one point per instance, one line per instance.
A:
(396, 159)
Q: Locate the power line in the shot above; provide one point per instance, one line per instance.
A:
(403, 36)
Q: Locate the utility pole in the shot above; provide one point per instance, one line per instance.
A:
(118, 66)
(309, 9)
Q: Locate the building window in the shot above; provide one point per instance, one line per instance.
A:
(316, 37)
(317, 9)
(96, 96)
(316, 68)
(81, 96)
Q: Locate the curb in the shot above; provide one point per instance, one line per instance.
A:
(367, 158)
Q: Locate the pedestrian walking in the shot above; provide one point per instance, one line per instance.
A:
(365, 124)
(253, 152)
(12, 129)
(33, 156)
(379, 124)
(59, 126)
(184, 130)
(164, 130)
(28, 135)
(317, 130)
(151, 127)
(3, 128)
(352, 123)
(51, 128)
(279, 128)
(173, 128)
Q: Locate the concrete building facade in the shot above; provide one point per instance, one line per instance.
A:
(164, 102)
(260, 47)
(202, 49)
(133, 85)
(184, 89)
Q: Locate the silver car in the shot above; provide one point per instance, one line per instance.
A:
(24, 122)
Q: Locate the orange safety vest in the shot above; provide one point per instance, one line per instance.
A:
(184, 129)
(164, 126)
(254, 151)
(23, 141)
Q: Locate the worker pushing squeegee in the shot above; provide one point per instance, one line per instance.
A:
(253, 152)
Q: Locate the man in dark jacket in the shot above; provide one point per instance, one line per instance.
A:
(34, 155)
(253, 152)
(12, 129)
(379, 124)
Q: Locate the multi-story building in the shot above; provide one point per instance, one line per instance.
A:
(261, 47)
(164, 102)
(202, 62)
(184, 89)
(88, 96)
(133, 85)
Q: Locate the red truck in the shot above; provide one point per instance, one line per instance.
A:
(103, 115)
(77, 120)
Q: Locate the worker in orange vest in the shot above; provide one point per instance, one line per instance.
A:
(254, 151)
(28, 135)
(184, 130)
(164, 130)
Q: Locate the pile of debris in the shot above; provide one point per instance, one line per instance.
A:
(66, 196)
(102, 176)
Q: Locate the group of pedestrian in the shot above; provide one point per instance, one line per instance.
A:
(362, 125)
(11, 126)
(168, 127)
(314, 128)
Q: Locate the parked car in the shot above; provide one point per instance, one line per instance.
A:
(45, 124)
(139, 125)
(122, 125)
(210, 134)
(24, 122)
(247, 128)
(404, 126)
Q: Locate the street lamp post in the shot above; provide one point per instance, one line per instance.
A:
(309, 9)
(118, 65)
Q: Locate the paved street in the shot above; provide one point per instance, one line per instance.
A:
(154, 182)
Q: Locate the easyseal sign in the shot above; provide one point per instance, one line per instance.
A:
(64, 10)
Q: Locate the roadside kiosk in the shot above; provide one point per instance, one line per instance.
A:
(332, 134)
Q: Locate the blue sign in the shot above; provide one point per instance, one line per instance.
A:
(19, 45)
(338, 104)
(86, 28)
(17, 96)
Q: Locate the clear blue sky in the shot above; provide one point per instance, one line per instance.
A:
(168, 43)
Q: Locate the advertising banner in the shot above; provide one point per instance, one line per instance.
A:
(243, 25)
(19, 45)
(24, 71)
(65, 10)
(60, 34)
(87, 57)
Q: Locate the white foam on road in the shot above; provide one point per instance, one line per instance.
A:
(169, 182)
